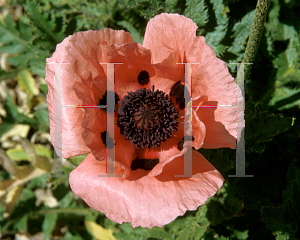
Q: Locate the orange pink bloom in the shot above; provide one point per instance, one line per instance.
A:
(149, 118)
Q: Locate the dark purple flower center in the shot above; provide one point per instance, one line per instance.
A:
(146, 164)
(147, 117)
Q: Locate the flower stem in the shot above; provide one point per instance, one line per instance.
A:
(255, 34)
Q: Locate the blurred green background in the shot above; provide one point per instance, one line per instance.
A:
(37, 205)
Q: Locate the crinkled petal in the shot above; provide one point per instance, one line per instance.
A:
(142, 200)
(166, 33)
(135, 59)
(168, 73)
(80, 54)
(212, 80)
(171, 150)
(93, 124)
(71, 143)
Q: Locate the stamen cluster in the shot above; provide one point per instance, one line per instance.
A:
(147, 117)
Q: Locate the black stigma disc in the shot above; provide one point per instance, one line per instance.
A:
(143, 78)
(147, 117)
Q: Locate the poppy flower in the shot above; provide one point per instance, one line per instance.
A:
(149, 118)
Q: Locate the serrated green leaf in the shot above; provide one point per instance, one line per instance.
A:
(241, 31)
(176, 225)
(38, 65)
(11, 24)
(157, 232)
(214, 38)
(147, 8)
(190, 230)
(9, 33)
(42, 22)
(202, 220)
(49, 224)
(197, 11)
(25, 29)
(286, 59)
(17, 38)
(290, 58)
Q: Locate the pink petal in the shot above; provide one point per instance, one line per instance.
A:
(212, 80)
(93, 124)
(170, 151)
(83, 52)
(167, 73)
(72, 142)
(134, 58)
(142, 200)
(166, 33)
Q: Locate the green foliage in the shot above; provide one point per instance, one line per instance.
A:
(147, 8)
(43, 121)
(31, 39)
(263, 127)
(284, 219)
(132, 30)
(287, 92)
(49, 224)
(241, 31)
(44, 24)
(215, 37)
(197, 11)
(13, 114)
